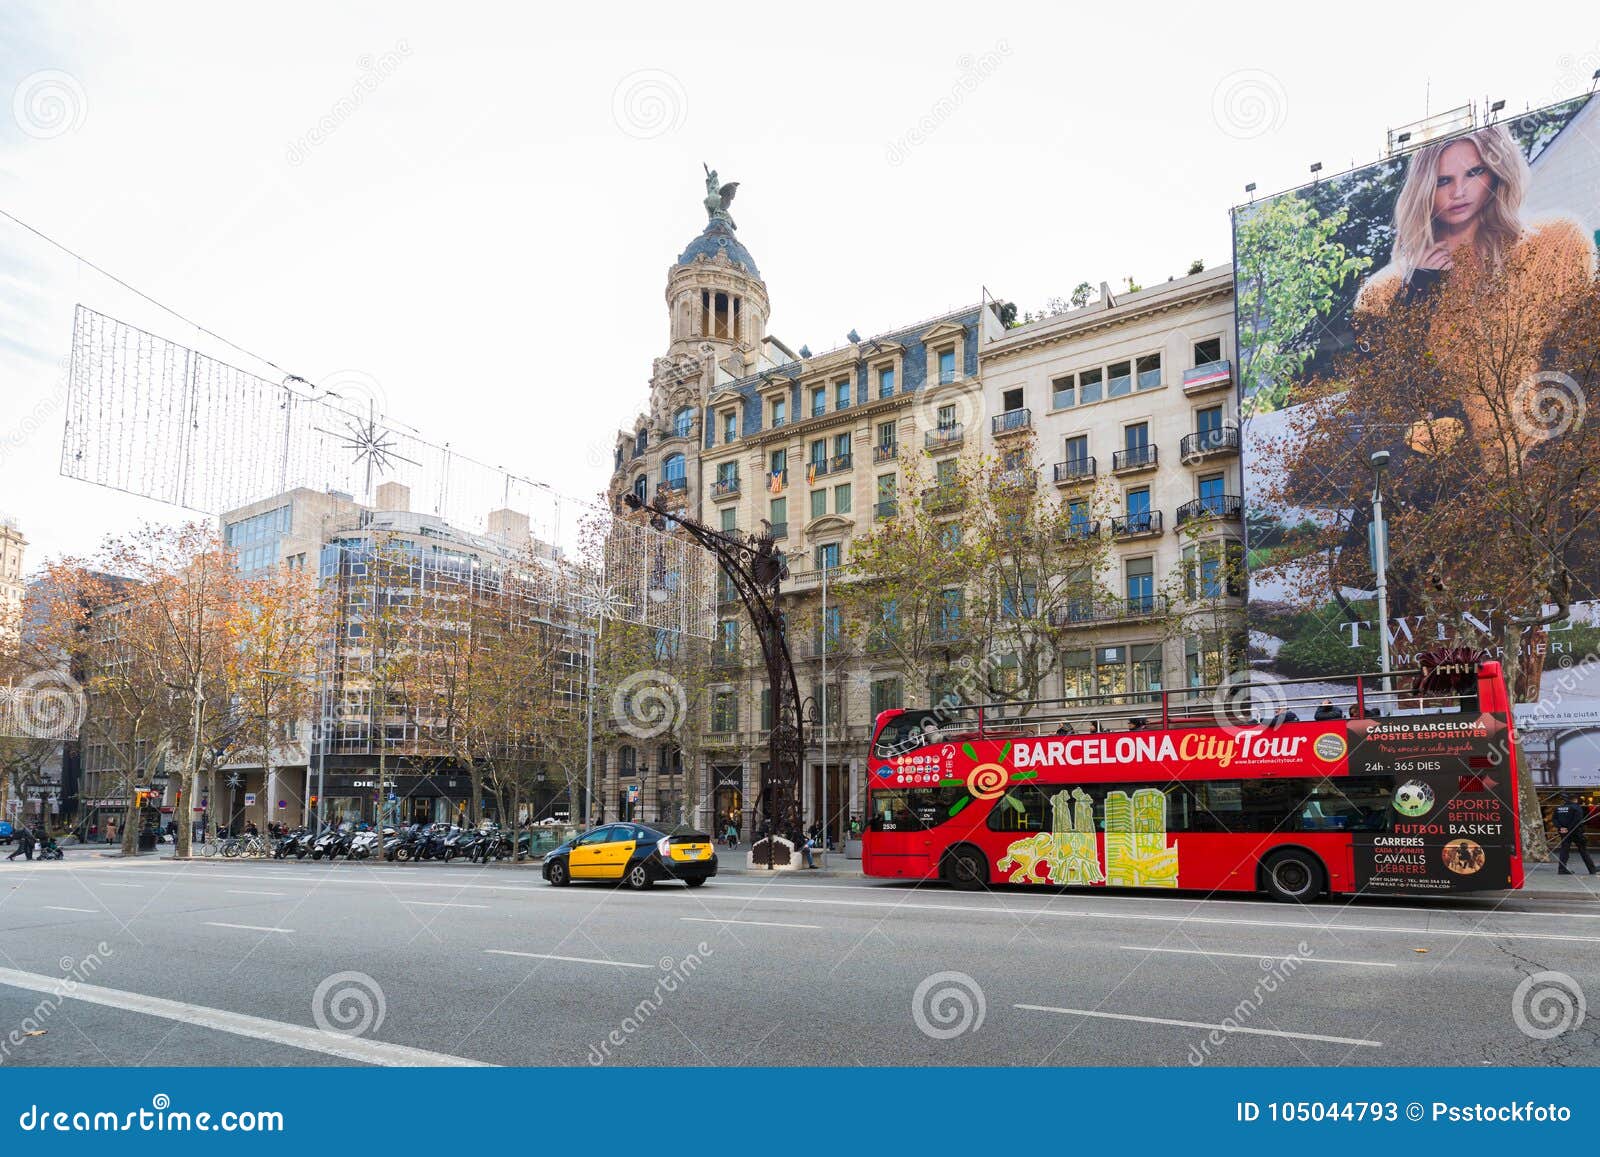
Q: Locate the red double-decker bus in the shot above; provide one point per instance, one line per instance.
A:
(1369, 790)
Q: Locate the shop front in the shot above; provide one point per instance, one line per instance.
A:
(728, 800)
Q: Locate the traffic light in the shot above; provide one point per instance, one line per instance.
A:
(313, 801)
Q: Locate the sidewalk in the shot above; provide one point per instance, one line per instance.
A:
(1544, 881)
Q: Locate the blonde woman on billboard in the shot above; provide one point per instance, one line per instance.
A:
(1461, 242)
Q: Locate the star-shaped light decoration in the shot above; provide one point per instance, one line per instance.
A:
(371, 443)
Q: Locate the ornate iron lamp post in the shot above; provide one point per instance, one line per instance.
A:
(756, 567)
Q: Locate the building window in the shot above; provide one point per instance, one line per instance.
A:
(641, 442)
(1119, 379)
(1136, 439)
(819, 503)
(672, 472)
(1063, 392)
(778, 463)
(841, 498)
(683, 422)
(780, 515)
(730, 425)
(1078, 517)
(1089, 385)
(1144, 667)
(947, 417)
(947, 366)
(841, 394)
(886, 695)
(766, 708)
(944, 473)
(1204, 663)
(1209, 350)
(841, 451)
(1148, 369)
(949, 535)
(728, 523)
(724, 711)
(819, 401)
(885, 381)
(627, 761)
(1213, 569)
(886, 435)
(1138, 504)
(727, 473)
(1211, 493)
(780, 411)
(1207, 421)
(828, 555)
(640, 484)
(1141, 585)
(1011, 400)
(1078, 454)
(1018, 601)
(947, 623)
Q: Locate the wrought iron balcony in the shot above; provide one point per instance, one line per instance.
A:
(943, 498)
(672, 485)
(840, 462)
(1079, 530)
(1075, 470)
(780, 530)
(725, 487)
(1089, 612)
(1017, 477)
(888, 508)
(1207, 377)
(1134, 459)
(944, 437)
(1144, 524)
(1011, 422)
(1230, 506)
(1203, 444)
(886, 452)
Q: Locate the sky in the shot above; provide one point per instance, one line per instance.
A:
(472, 208)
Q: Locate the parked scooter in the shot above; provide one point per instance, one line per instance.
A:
(405, 844)
(331, 843)
(363, 845)
(297, 843)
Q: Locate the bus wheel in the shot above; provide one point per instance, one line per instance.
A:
(1293, 875)
(966, 869)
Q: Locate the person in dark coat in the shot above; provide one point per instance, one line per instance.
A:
(1569, 819)
(1326, 710)
(24, 845)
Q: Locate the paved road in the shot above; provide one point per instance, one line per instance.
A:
(221, 963)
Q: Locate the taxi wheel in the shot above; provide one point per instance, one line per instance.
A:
(639, 877)
(696, 882)
(558, 873)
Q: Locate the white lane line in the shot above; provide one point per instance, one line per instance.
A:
(248, 892)
(59, 908)
(1263, 956)
(1002, 908)
(350, 1048)
(1337, 1040)
(109, 884)
(756, 923)
(569, 959)
(247, 927)
(442, 904)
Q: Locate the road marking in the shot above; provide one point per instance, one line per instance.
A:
(59, 908)
(1337, 1040)
(350, 1048)
(248, 892)
(247, 927)
(1262, 956)
(757, 923)
(442, 904)
(569, 959)
(109, 884)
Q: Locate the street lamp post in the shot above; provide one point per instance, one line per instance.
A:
(1380, 560)
(757, 568)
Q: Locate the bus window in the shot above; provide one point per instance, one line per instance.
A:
(913, 809)
(1349, 804)
(909, 731)
(1024, 808)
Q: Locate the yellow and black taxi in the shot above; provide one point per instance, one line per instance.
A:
(634, 855)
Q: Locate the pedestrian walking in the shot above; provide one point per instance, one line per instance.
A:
(24, 846)
(1569, 820)
(732, 834)
(805, 851)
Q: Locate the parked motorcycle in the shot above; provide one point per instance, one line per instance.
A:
(362, 845)
(405, 844)
(297, 843)
(332, 843)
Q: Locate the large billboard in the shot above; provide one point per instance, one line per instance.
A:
(1438, 306)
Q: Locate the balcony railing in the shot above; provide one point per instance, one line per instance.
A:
(1208, 376)
(944, 437)
(886, 452)
(1079, 530)
(780, 476)
(1133, 459)
(948, 376)
(817, 467)
(725, 657)
(1088, 612)
(945, 497)
(780, 530)
(1017, 477)
(725, 487)
(672, 485)
(1206, 443)
(1211, 506)
(1075, 470)
(1011, 422)
(840, 462)
(888, 508)
(1145, 522)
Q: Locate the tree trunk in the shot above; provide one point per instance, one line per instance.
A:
(1535, 847)
(130, 825)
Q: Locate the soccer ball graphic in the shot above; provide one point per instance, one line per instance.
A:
(1413, 798)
